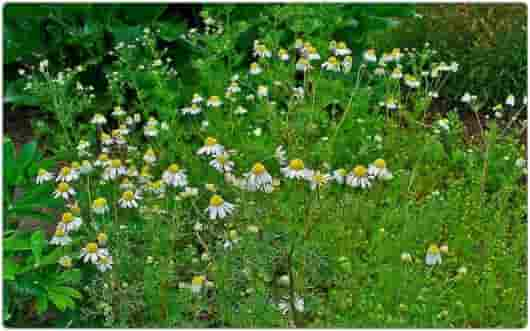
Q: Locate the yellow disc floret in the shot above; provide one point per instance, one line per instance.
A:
(115, 163)
(216, 200)
(380, 163)
(210, 141)
(128, 195)
(63, 187)
(296, 164)
(99, 203)
(92, 248)
(258, 169)
(67, 218)
(360, 171)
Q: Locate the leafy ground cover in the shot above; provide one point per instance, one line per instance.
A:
(305, 182)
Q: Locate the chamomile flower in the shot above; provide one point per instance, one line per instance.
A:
(396, 54)
(91, 252)
(386, 57)
(118, 112)
(194, 109)
(281, 155)
(285, 305)
(65, 261)
(283, 55)
(312, 54)
(370, 56)
(258, 179)
(150, 156)
(347, 64)
(197, 98)
(86, 167)
(189, 192)
(358, 177)
(43, 176)
(379, 71)
(104, 263)
(510, 100)
(65, 175)
(261, 50)
(175, 176)
(102, 239)
(263, 91)
(391, 103)
(219, 208)
(129, 199)
(64, 191)
(222, 162)
(255, 69)
(339, 175)
(433, 255)
(100, 206)
(106, 139)
(214, 101)
(211, 147)
(317, 179)
(411, 81)
(197, 283)
(98, 119)
(151, 130)
(114, 169)
(303, 65)
(70, 222)
(466, 98)
(295, 169)
(233, 88)
(332, 64)
(379, 170)
(126, 184)
(396, 74)
(60, 237)
(342, 49)
(102, 161)
(157, 187)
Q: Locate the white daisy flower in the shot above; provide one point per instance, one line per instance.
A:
(189, 192)
(104, 263)
(261, 50)
(312, 54)
(303, 65)
(43, 176)
(396, 74)
(219, 208)
(150, 131)
(332, 64)
(295, 169)
(197, 284)
(129, 199)
(65, 175)
(342, 49)
(118, 112)
(258, 179)
(65, 261)
(347, 64)
(197, 98)
(263, 91)
(391, 103)
(194, 109)
(433, 255)
(339, 175)
(255, 69)
(175, 176)
(222, 163)
(64, 191)
(60, 238)
(281, 155)
(98, 119)
(157, 187)
(214, 101)
(91, 252)
(510, 100)
(114, 169)
(283, 55)
(358, 177)
(150, 156)
(211, 147)
(69, 222)
(379, 71)
(379, 170)
(86, 167)
(233, 88)
(370, 56)
(411, 81)
(298, 92)
(285, 305)
(102, 161)
(317, 179)
(387, 57)
(100, 206)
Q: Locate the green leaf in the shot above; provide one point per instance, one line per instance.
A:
(17, 242)
(142, 14)
(14, 95)
(60, 300)
(126, 33)
(9, 161)
(42, 304)
(10, 269)
(171, 31)
(52, 257)
(38, 243)
(26, 156)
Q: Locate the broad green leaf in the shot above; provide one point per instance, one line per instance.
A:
(38, 243)
(10, 268)
(42, 304)
(17, 242)
(60, 300)
(26, 156)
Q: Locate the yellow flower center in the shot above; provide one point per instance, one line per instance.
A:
(342, 171)
(194, 106)
(433, 249)
(59, 232)
(341, 45)
(296, 164)
(396, 52)
(42, 172)
(318, 178)
(214, 98)
(100, 203)
(67, 218)
(196, 96)
(332, 60)
(76, 165)
(198, 280)
(210, 141)
(116, 133)
(397, 71)
(303, 61)
(128, 195)
(115, 163)
(65, 171)
(216, 200)
(103, 259)
(174, 168)
(410, 78)
(102, 238)
(221, 158)
(92, 248)
(63, 187)
(254, 66)
(360, 171)
(76, 210)
(348, 59)
(258, 169)
(86, 163)
(103, 157)
(370, 52)
(150, 152)
(380, 163)
(282, 52)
